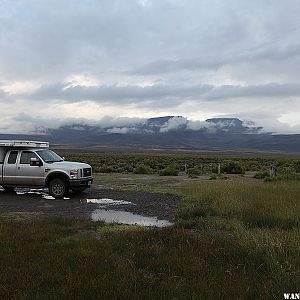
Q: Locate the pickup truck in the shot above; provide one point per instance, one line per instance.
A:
(33, 164)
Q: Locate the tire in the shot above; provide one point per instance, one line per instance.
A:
(9, 189)
(58, 188)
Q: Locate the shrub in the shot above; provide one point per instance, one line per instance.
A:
(194, 172)
(285, 177)
(169, 171)
(232, 167)
(105, 169)
(143, 169)
(253, 166)
(262, 175)
(297, 166)
(286, 170)
(213, 177)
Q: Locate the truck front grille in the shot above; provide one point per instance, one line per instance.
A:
(87, 172)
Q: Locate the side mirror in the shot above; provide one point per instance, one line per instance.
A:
(34, 162)
(63, 158)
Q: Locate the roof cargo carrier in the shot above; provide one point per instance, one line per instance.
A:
(25, 144)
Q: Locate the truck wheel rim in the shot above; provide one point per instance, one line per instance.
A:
(58, 189)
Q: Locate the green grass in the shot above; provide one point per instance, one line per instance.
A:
(232, 240)
(19, 215)
(138, 182)
(253, 204)
(52, 261)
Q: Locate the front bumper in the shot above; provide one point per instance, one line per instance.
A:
(84, 182)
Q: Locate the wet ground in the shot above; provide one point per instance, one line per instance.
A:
(128, 207)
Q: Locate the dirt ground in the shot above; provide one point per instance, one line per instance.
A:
(148, 196)
(37, 204)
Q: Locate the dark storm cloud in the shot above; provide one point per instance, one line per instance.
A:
(156, 93)
(267, 53)
(117, 94)
(168, 66)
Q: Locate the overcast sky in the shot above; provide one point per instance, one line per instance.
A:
(87, 59)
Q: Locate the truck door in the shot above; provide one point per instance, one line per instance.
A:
(28, 175)
(10, 167)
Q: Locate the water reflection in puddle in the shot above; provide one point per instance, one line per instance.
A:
(104, 202)
(108, 215)
(125, 217)
(30, 191)
(42, 192)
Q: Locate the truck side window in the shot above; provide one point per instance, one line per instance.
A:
(26, 156)
(12, 157)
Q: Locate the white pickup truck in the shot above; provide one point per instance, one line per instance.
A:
(33, 164)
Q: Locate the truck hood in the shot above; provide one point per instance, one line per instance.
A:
(68, 165)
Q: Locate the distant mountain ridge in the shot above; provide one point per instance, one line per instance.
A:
(170, 132)
(165, 124)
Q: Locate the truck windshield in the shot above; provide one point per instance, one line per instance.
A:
(49, 156)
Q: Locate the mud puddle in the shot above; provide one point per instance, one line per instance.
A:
(125, 217)
(105, 213)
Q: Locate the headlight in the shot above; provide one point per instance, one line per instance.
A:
(74, 174)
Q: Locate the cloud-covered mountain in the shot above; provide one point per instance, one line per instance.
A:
(169, 132)
(161, 125)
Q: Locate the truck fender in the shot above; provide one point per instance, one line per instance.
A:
(56, 174)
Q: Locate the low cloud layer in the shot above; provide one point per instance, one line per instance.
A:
(63, 61)
(25, 123)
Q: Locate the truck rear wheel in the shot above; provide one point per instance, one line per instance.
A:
(58, 188)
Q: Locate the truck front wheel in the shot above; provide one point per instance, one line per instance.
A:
(58, 188)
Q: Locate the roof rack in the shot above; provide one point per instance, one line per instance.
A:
(27, 144)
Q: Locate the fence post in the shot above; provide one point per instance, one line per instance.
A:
(185, 168)
(272, 171)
